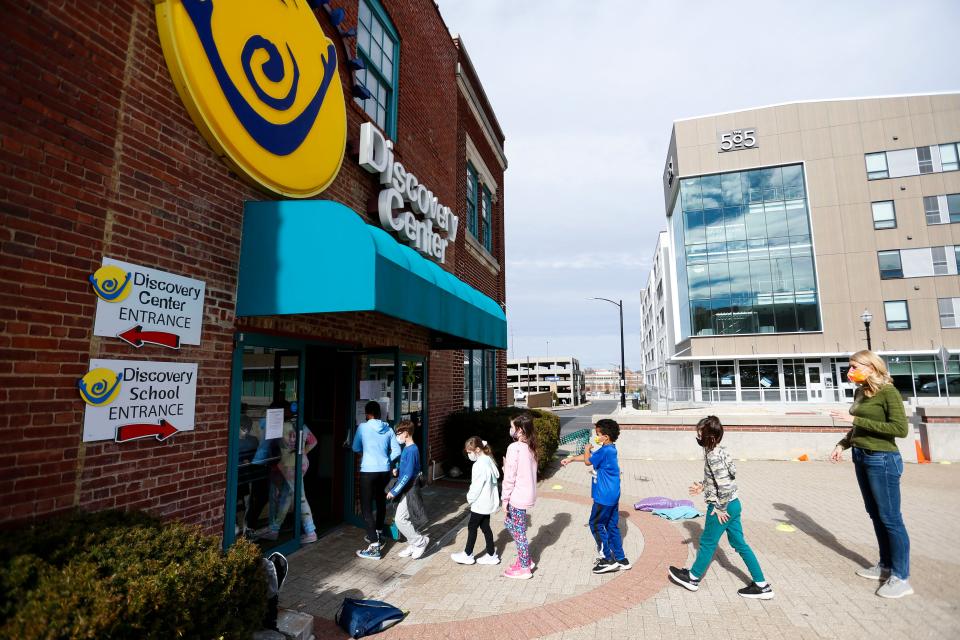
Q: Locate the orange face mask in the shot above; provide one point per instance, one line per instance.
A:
(856, 376)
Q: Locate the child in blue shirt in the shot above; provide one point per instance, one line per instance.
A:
(605, 515)
(407, 476)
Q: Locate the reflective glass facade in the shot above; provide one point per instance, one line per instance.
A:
(744, 254)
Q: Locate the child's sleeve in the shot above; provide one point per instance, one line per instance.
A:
(309, 442)
(407, 470)
(510, 465)
(476, 484)
(357, 440)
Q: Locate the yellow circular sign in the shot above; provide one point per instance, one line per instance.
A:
(260, 81)
(99, 387)
(111, 283)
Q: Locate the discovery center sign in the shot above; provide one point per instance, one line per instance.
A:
(436, 226)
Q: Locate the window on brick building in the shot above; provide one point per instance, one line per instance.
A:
(479, 207)
(486, 214)
(378, 46)
(472, 184)
(479, 379)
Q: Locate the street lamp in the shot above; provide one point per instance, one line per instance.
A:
(623, 364)
(867, 317)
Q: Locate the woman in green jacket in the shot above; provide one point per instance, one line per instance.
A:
(878, 418)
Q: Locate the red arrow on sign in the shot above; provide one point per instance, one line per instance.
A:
(129, 432)
(137, 337)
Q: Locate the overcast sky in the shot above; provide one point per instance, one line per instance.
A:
(586, 93)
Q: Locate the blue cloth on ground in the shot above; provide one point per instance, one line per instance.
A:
(677, 513)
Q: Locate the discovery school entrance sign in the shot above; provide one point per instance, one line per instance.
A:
(427, 226)
(133, 399)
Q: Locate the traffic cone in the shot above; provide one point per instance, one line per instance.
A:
(921, 459)
(803, 458)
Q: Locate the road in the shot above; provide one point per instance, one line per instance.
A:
(579, 418)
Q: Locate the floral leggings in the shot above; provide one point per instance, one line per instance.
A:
(516, 524)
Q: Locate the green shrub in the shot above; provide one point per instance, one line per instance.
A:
(127, 575)
(493, 425)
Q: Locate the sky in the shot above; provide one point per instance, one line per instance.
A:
(586, 94)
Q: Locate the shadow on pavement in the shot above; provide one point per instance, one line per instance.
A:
(695, 530)
(809, 526)
(548, 534)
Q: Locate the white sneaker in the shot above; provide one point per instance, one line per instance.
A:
(895, 587)
(488, 559)
(406, 552)
(421, 549)
(462, 558)
(876, 572)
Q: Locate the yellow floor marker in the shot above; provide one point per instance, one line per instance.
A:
(786, 528)
(557, 487)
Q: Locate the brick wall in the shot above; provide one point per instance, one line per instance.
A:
(98, 157)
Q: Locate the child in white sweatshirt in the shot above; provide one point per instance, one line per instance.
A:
(484, 499)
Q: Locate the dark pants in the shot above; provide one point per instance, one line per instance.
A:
(481, 521)
(878, 474)
(604, 524)
(373, 486)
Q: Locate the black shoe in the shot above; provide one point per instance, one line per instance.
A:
(683, 578)
(624, 564)
(753, 590)
(606, 566)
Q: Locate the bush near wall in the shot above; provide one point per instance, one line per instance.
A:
(127, 575)
(493, 425)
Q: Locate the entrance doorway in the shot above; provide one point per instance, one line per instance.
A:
(815, 386)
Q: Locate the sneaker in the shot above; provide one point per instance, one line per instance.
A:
(419, 550)
(518, 573)
(406, 552)
(369, 541)
(606, 566)
(266, 534)
(624, 564)
(462, 558)
(683, 578)
(755, 591)
(370, 553)
(876, 572)
(308, 538)
(492, 559)
(895, 587)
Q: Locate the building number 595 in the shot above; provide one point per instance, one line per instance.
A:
(738, 139)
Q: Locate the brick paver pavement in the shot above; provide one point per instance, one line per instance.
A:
(811, 568)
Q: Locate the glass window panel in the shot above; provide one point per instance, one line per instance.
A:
(898, 365)
(756, 226)
(793, 177)
(931, 209)
(719, 279)
(948, 318)
(776, 217)
(363, 37)
(730, 187)
(708, 375)
(757, 249)
(786, 313)
(734, 223)
(953, 206)
(695, 230)
(765, 317)
(717, 252)
(779, 247)
(697, 253)
(739, 274)
(388, 47)
(760, 280)
(924, 160)
(948, 157)
(713, 218)
(896, 314)
(376, 31)
(769, 374)
(889, 264)
(388, 70)
(782, 269)
(883, 215)
(796, 212)
(800, 247)
(690, 194)
(737, 250)
(876, 165)
(923, 364)
(364, 14)
(698, 281)
(808, 318)
(803, 276)
(710, 187)
(749, 374)
(700, 317)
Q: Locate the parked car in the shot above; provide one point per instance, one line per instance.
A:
(930, 388)
(519, 395)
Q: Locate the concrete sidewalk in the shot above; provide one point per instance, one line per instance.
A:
(811, 568)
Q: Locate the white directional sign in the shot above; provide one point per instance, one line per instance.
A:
(142, 306)
(132, 399)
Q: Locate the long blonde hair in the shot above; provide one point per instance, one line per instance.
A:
(879, 377)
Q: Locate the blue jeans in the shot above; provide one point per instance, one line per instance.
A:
(878, 474)
(606, 530)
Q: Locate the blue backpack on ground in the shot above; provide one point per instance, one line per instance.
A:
(362, 618)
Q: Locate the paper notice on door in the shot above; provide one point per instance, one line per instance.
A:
(274, 423)
(370, 389)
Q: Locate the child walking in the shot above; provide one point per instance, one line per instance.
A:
(605, 514)
(484, 499)
(520, 491)
(719, 490)
(405, 491)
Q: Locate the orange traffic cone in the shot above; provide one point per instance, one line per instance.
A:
(803, 458)
(921, 459)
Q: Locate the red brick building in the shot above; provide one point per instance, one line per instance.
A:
(99, 158)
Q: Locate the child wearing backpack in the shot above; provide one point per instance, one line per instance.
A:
(520, 491)
(719, 490)
(484, 499)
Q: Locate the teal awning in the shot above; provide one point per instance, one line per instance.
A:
(318, 256)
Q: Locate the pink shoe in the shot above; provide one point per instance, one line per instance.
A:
(518, 573)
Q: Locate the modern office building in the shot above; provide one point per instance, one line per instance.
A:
(788, 224)
(204, 255)
(560, 375)
(656, 304)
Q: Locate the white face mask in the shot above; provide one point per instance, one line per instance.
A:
(472, 456)
(399, 440)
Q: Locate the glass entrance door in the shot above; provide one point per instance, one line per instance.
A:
(814, 382)
(264, 480)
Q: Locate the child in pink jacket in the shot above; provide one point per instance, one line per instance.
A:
(520, 491)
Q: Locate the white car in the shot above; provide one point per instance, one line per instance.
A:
(519, 395)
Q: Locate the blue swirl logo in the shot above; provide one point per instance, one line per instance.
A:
(99, 387)
(111, 283)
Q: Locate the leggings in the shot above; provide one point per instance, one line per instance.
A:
(516, 524)
(373, 486)
(481, 521)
